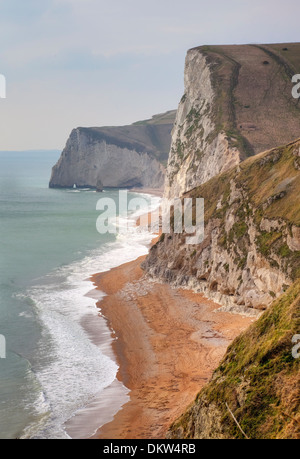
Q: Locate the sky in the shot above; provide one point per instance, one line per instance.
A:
(70, 63)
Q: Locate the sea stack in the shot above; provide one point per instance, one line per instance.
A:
(99, 186)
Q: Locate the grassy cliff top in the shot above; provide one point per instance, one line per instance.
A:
(252, 83)
(162, 118)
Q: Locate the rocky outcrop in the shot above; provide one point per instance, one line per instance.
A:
(99, 186)
(232, 108)
(250, 252)
(121, 157)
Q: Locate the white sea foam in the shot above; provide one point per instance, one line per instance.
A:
(70, 368)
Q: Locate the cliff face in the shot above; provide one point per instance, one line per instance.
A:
(127, 156)
(234, 102)
(258, 381)
(251, 248)
(237, 104)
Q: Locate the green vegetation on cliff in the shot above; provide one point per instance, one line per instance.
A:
(258, 380)
(250, 255)
(251, 248)
(251, 244)
(267, 186)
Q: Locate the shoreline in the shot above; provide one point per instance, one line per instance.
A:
(167, 342)
(151, 191)
(85, 421)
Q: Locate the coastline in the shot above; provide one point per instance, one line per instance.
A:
(151, 191)
(86, 420)
(167, 342)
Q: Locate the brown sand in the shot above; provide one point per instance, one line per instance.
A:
(168, 343)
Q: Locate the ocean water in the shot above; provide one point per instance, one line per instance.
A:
(49, 247)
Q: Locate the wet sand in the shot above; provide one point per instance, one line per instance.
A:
(167, 343)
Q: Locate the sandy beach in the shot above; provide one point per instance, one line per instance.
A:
(167, 343)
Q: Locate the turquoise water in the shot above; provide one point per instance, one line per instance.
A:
(48, 248)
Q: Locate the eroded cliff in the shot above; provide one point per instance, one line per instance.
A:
(234, 102)
(237, 104)
(251, 248)
(121, 157)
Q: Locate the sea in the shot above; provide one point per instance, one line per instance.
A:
(49, 247)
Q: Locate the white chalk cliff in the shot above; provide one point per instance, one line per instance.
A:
(121, 157)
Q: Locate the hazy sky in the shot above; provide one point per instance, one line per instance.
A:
(72, 63)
